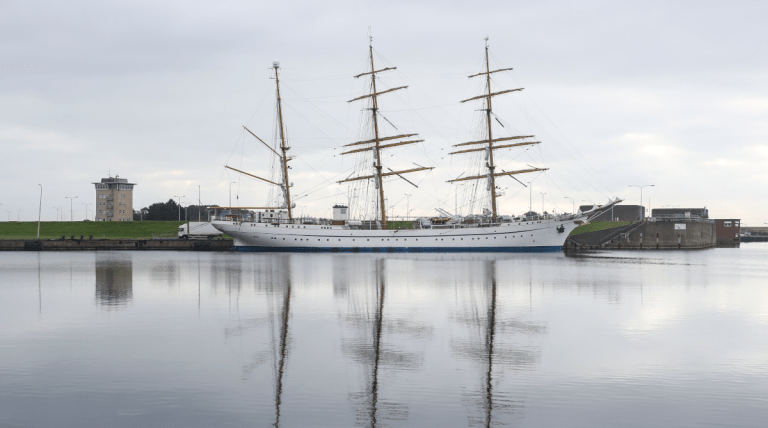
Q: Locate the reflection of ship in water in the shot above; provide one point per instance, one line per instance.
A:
(114, 280)
(367, 317)
(273, 278)
(486, 347)
(280, 343)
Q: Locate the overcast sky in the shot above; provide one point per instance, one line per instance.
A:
(666, 93)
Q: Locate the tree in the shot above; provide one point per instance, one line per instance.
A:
(169, 211)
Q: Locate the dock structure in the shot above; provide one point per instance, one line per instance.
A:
(73, 244)
(649, 234)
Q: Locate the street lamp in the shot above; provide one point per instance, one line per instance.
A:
(39, 211)
(542, 202)
(641, 194)
(70, 205)
(198, 203)
(530, 198)
(573, 204)
(9, 214)
(408, 206)
(18, 215)
(175, 196)
(86, 209)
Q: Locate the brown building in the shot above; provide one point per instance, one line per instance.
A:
(728, 231)
(114, 199)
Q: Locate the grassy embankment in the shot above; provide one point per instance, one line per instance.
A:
(99, 230)
(398, 224)
(598, 225)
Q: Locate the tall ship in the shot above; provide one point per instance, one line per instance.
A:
(276, 229)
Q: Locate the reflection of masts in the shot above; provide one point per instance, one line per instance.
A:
(489, 346)
(283, 345)
(377, 343)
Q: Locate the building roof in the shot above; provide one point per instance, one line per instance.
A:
(114, 180)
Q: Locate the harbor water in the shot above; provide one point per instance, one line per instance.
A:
(180, 339)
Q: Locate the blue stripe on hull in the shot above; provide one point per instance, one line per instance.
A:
(537, 249)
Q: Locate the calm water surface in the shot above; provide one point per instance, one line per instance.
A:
(173, 339)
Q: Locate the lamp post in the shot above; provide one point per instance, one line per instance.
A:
(70, 205)
(9, 214)
(39, 211)
(18, 215)
(408, 206)
(175, 196)
(86, 209)
(530, 199)
(542, 202)
(198, 203)
(573, 204)
(641, 195)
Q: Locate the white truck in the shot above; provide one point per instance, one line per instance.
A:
(198, 230)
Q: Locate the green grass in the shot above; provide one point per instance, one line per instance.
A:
(598, 225)
(398, 224)
(100, 229)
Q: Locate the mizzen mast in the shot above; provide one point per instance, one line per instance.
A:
(375, 144)
(283, 146)
(489, 142)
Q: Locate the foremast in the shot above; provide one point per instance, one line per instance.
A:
(487, 144)
(375, 145)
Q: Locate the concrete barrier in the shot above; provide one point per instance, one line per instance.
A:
(115, 244)
(666, 235)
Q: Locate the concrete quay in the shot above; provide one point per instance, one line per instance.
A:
(672, 234)
(115, 244)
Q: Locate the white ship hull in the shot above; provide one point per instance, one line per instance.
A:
(546, 235)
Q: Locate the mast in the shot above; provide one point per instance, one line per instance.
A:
(376, 141)
(489, 164)
(377, 155)
(487, 144)
(286, 184)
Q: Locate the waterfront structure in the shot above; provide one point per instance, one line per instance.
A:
(490, 231)
(728, 232)
(618, 213)
(114, 199)
(680, 212)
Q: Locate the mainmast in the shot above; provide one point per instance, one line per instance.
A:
(491, 179)
(286, 184)
(377, 151)
(375, 144)
(488, 143)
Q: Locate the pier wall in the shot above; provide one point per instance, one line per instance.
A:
(647, 235)
(115, 244)
(664, 235)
